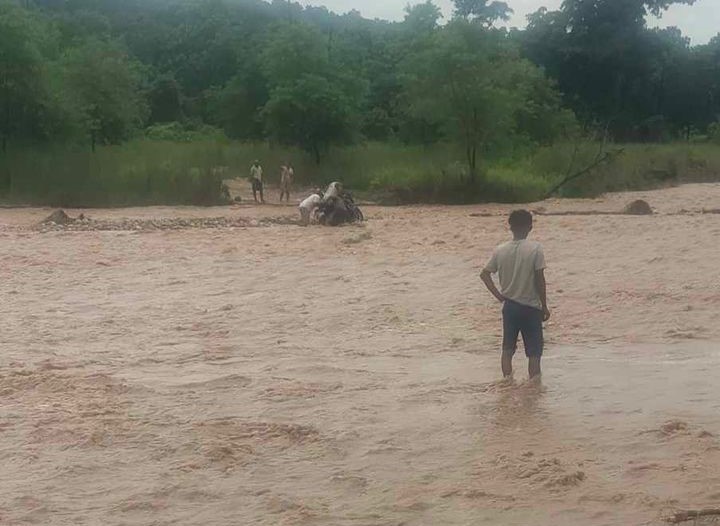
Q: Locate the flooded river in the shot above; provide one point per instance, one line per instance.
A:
(276, 375)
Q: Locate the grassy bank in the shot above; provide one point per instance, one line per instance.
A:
(638, 167)
(139, 173)
(161, 172)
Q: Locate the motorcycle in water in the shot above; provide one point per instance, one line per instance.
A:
(337, 210)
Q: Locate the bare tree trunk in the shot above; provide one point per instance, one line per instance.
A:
(599, 160)
(316, 154)
(331, 34)
(472, 145)
(470, 154)
(474, 162)
(6, 124)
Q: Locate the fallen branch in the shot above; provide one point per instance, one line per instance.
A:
(601, 159)
(483, 214)
(578, 213)
(691, 515)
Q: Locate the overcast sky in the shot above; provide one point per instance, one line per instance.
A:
(701, 22)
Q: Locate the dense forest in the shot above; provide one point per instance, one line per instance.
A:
(101, 72)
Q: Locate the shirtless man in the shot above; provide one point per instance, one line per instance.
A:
(286, 178)
(256, 178)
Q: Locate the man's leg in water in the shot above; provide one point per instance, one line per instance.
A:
(511, 329)
(532, 333)
(507, 358)
(534, 366)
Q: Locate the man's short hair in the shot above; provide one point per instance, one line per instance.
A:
(520, 219)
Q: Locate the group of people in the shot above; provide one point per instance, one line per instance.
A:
(519, 264)
(287, 174)
(333, 207)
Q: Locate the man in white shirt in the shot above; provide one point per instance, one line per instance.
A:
(256, 178)
(308, 208)
(520, 265)
(333, 190)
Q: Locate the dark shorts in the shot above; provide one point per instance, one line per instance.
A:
(528, 321)
(257, 185)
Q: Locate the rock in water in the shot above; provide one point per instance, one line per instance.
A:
(638, 208)
(59, 217)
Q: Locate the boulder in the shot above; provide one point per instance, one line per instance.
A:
(638, 208)
(58, 217)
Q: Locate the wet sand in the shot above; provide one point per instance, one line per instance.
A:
(278, 375)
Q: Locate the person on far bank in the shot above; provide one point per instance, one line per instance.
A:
(520, 265)
(256, 178)
(286, 178)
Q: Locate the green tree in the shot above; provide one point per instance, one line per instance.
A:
(293, 50)
(474, 84)
(482, 11)
(313, 104)
(103, 87)
(606, 61)
(422, 19)
(23, 80)
(312, 113)
(539, 117)
(165, 100)
(236, 107)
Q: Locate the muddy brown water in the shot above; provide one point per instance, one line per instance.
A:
(283, 375)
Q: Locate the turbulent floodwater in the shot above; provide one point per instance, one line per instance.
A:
(278, 375)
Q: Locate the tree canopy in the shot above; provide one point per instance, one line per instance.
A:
(100, 71)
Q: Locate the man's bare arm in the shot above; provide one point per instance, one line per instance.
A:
(542, 292)
(486, 277)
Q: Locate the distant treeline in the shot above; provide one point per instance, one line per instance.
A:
(96, 72)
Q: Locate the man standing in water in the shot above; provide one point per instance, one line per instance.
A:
(520, 265)
(256, 178)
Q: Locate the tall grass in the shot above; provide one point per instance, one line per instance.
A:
(162, 172)
(638, 167)
(137, 173)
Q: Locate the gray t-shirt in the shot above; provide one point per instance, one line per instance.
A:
(516, 263)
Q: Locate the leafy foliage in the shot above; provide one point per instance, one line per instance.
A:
(103, 86)
(482, 11)
(100, 72)
(473, 83)
(616, 72)
(23, 75)
(311, 113)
